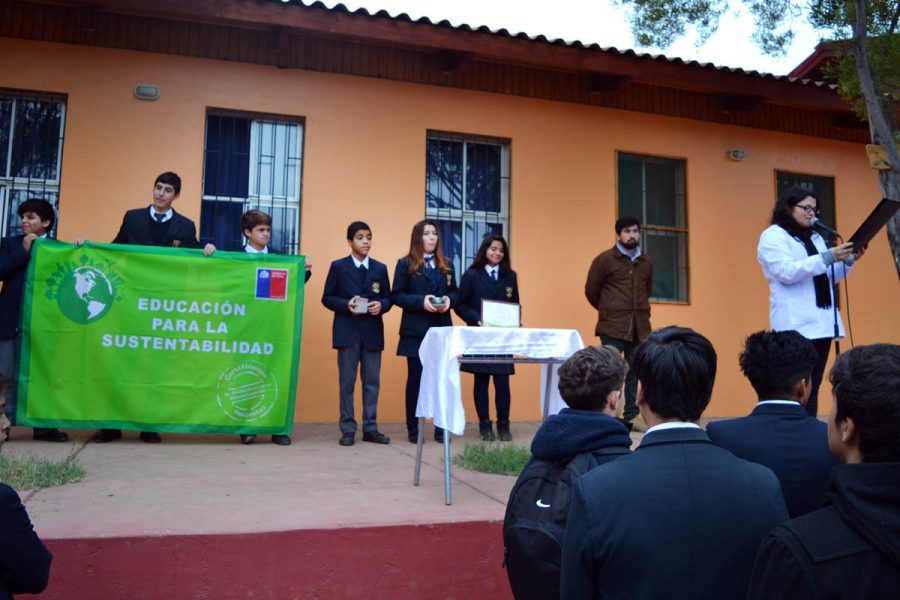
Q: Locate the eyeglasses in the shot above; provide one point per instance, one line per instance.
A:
(812, 210)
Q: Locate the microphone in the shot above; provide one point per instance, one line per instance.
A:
(825, 228)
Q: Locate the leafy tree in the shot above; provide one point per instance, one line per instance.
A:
(866, 42)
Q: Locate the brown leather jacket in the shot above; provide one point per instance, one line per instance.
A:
(620, 291)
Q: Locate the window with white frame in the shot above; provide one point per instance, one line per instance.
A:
(466, 192)
(31, 142)
(251, 162)
(653, 190)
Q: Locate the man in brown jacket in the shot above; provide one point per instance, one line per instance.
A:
(619, 285)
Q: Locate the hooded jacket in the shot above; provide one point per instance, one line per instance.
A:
(849, 549)
(573, 432)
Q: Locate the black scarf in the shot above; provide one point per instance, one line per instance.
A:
(823, 294)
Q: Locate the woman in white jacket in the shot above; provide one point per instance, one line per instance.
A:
(798, 266)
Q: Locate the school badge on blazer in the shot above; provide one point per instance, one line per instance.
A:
(449, 279)
(176, 243)
(376, 287)
(509, 292)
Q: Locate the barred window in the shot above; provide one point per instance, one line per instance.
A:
(31, 143)
(466, 192)
(251, 162)
(652, 190)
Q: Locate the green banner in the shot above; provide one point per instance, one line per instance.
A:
(160, 339)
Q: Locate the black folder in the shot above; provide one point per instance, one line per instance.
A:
(874, 222)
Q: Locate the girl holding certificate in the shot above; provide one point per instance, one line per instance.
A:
(424, 287)
(489, 278)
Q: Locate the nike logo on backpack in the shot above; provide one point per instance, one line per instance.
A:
(540, 504)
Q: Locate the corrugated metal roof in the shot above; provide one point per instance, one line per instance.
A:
(502, 32)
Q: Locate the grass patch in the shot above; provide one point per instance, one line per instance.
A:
(34, 473)
(496, 459)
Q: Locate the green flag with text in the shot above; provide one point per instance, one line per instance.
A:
(160, 339)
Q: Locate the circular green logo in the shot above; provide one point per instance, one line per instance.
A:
(246, 391)
(85, 295)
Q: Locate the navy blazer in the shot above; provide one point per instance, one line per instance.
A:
(343, 282)
(408, 292)
(13, 266)
(677, 518)
(476, 285)
(137, 229)
(24, 560)
(788, 441)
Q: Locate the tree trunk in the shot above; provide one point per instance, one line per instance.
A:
(881, 125)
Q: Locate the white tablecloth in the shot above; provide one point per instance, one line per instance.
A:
(440, 395)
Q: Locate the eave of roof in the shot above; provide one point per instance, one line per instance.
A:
(492, 45)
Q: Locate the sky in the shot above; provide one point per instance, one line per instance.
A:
(596, 21)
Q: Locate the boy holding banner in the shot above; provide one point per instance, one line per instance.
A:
(157, 225)
(37, 218)
(257, 229)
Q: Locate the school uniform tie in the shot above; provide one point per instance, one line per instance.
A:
(430, 270)
(361, 272)
(494, 274)
(159, 217)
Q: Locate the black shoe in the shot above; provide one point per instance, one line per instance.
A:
(503, 431)
(150, 437)
(439, 436)
(347, 439)
(106, 435)
(248, 438)
(413, 437)
(281, 440)
(376, 437)
(486, 431)
(50, 435)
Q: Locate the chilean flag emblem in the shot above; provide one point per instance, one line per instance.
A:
(271, 284)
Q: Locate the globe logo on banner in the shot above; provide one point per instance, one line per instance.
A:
(84, 294)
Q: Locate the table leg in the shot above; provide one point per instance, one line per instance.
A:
(447, 497)
(545, 400)
(419, 443)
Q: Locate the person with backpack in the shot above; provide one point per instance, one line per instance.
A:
(568, 445)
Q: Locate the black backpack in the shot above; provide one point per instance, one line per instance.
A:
(536, 521)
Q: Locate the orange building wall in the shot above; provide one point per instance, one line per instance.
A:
(364, 158)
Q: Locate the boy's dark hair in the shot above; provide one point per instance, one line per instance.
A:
(866, 385)
(625, 222)
(774, 361)
(41, 208)
(589, 375)
(356, 226)
(676, 367)
(169, 178)
(252, 218)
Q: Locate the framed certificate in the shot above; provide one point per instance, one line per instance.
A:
(495, 313)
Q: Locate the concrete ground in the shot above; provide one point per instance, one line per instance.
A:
(211, 484)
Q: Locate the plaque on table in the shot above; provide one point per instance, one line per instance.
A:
(495, 313)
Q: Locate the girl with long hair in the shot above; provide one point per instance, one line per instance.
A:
(489, 278)
(425, 288)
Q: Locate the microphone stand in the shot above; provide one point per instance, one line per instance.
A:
(834, 297)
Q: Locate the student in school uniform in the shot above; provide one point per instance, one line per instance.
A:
(156, 225)
(425, 288)
(358, 291)
(257, 228)
(489, 278)
(37, 219)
